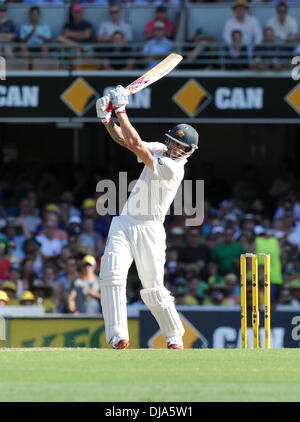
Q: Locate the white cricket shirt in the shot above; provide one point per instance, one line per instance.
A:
(155, 189)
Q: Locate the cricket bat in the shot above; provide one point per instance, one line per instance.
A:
(154, 74)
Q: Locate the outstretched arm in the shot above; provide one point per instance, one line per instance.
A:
(125, 134)
(133, 140)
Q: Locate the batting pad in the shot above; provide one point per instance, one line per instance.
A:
(161, 305)
(113, 301)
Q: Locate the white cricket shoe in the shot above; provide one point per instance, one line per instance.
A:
(119, 343)
(175, 343)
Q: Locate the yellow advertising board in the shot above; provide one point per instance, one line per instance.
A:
(63, 332)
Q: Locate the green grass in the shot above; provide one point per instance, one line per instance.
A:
(149, 375)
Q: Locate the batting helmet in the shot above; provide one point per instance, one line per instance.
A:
(186, 135)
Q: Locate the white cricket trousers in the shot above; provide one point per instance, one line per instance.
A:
(144, 242)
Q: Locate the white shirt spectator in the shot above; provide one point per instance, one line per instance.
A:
(283, 32)
(50, 247)
(250, 29)
(109, 28)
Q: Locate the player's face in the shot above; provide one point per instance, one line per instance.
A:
(176, 150)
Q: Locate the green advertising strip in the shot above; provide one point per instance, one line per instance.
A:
(198, 97)
(63, 332)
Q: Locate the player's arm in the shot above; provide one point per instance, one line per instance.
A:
(131, 136)
(125, 134)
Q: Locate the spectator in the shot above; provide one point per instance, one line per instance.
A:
(294, 288)
(176, 237)
(182, 297)
(227, 254)
(58, 294)
(101, 224)
(285, 297)
(35, 34)
(115, 23)
(237, 54)
(52, 217)
(233, 291)
(27, 298)
(66, 207)
(3, 298)
(119, 55)
(243, 22)
(77, 30)
(74, 225)
(70, 274)
(85, 294)
(284, 26)
(32, 250)
(15, 272)
(201, 55)
(91, 240)
(10, 289)
(161, 15)
(216, 295)
(270, 245)
(4, 261)
(28, 274)
(270, 56)
(8, 33)
(195, 253)
(158, 47)
(50, 245)
(196, 290)
(42, 292)
(17, 232)
(28, 215)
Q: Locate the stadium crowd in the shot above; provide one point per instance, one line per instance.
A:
(52, 240)
(245, 43)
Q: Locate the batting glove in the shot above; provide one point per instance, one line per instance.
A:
(104, 109)
(119, 98)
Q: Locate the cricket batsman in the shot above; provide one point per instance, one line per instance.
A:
(141, 236)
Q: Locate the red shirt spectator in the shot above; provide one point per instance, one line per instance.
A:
(4, 262)
(162, 16)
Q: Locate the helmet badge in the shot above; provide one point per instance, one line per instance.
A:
(180, 133)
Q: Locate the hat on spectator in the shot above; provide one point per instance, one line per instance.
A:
(89, 203)
(77, 7)
(9, 285)
(158, 25)
(180, 291)
(180, 281)
(3, 296)
(218, 229)
(75, 220)
(200, 32)
(217, 286)
(39, 284)
(231, 217)
(51, 207)
(89, 260)
(230, 278)
(178, 231)
(27, 295)
(240, 3)
(249, 217)
(259, 230)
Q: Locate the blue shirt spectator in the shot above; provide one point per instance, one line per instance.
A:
(158, 47)
(35, 33)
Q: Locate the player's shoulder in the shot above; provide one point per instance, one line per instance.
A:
(155, 147)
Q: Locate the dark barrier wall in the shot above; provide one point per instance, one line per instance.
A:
(218, 328)
(194, 96)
